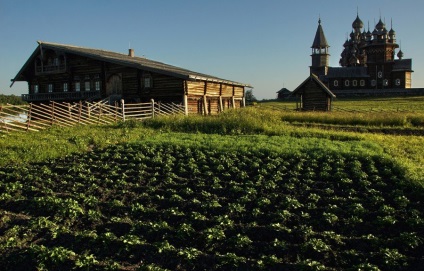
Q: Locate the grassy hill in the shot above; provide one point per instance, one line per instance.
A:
(252, 189)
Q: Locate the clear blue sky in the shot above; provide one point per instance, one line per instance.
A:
(265, 43)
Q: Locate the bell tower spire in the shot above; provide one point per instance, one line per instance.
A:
(320, 55)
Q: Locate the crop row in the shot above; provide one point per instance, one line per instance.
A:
(170, 207)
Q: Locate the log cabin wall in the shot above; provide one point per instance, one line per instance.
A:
(195, 105)
(314, 98)
(208, 95)
(78, 69)
(164, 88)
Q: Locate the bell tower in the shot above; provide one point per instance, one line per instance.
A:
(320, 55)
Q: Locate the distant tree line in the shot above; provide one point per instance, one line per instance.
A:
(249, 97)
(10, 99)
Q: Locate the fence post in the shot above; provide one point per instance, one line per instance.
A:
(70, 112)
(100, 113)
(29, 116)
(123, 109)
(52, 113)
(4, 122)
(79, 112)
(116, 112)
(88, 110)
(153, 108)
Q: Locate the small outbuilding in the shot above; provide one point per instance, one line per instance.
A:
(313, 95)
(283, 94)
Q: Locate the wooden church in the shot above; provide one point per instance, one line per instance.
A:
(367, 66)
(367, 60)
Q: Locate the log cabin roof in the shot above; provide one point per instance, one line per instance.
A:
(284, 91)
(320, 84)
(125, 60)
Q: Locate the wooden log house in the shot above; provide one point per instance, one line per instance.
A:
(60, 72)
(313, 95)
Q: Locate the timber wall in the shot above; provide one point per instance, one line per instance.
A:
(314, 98)
(210, 98)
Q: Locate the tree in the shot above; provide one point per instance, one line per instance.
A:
(250, 98)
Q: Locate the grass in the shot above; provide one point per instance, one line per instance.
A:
(247, 128)
(254, 188)
(369, 104)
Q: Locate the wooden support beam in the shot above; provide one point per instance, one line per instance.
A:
(186, 104)
(221, 106)
(205, 105)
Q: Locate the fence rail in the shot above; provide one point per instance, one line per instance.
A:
(36, 117)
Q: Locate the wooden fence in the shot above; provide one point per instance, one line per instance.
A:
(36, 117)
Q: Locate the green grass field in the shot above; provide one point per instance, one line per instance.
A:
(250, 189)
(369, 104)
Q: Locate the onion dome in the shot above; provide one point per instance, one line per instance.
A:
(380, 25)
(357, 24)
(400, 54)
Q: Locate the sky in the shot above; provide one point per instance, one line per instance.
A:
(264, 43)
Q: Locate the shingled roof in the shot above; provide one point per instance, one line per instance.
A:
(403, 65)
(320, 41)
(313, 77)
(347, 72)
(125, 60)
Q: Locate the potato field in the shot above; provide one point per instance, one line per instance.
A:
(178, 206)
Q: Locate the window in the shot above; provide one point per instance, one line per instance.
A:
(87, 86)
(385, 82)
(50, 88)
(35, 88)
(373, 83)
(147, 82)
(56, 61)
(354, 83)
(346, 83)
(77, 86)
(65, 87)
(397, 82)
(97, 85)
(336, 83)
(362, 83)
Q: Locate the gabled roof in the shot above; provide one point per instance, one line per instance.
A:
(313, 77)
(320, 41)
(284, 90)
(125, 60)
